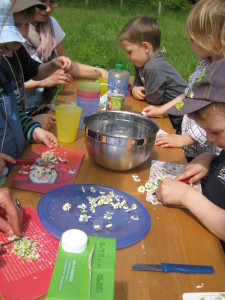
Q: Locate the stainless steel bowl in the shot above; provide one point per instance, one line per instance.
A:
(119, 140)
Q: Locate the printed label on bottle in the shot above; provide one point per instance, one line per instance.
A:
(115, 102)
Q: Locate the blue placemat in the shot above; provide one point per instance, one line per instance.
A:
(125, 228)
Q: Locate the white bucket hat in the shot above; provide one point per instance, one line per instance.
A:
(8, 31)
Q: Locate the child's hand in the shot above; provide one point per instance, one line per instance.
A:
(138, 93)
(46, 120)
(197, 168)
(45, 137)
(169, 140)
(173, 192)
(57, 78)
(5, 158)
(152, 111)
(63, 62)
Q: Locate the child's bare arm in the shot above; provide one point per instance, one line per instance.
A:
(57, 78)
(47, 69)
(153, 110)
(172, 192)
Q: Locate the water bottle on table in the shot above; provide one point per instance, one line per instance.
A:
(117, 87)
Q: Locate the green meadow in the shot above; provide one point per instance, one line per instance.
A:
(92, 32)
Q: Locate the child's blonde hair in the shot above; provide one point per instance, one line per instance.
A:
(205, 24)
(203, 114)
(141, 29)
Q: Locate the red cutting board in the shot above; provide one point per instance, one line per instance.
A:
(22, 279)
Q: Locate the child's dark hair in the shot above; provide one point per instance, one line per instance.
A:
(28, 13)
(142, 29)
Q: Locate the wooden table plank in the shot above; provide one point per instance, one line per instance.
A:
(175, 235)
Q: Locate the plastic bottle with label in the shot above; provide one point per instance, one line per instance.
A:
(117, 87)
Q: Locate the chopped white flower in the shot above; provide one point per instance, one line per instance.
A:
(102, 192)
(97, 227)
(72, 171)
(135, 218)
(106, 201)
(89, 198)
(141, 189)
(82, 208)
(109, 226)
(108, 215)
(66, 206)
(134, 206)
(118, 198)
(148, 186)
(26, 248)
(26, 166)
(82, 189)
(93, 203)
(100, 202)
(23, 172)
(92, 189)
(92, 209)
(117, 205)
(111, 194)
(62, 159)
(124, 202)
(125, 206)
(84, 218)
(136, 177)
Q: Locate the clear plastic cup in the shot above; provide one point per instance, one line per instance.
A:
(67, 120)
(88, 97)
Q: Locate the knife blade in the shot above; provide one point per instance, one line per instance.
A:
(177, 268)
(12, 241)
(25, 161)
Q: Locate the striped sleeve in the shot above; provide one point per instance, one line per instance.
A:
(28, 125)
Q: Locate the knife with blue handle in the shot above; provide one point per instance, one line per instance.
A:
(177, 268)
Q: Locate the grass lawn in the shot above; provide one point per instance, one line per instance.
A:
(91, 35)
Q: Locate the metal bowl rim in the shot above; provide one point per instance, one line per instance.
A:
(120, 112)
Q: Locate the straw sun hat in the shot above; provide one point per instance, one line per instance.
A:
(24, 4)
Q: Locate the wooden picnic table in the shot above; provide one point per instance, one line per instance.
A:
(175, 235)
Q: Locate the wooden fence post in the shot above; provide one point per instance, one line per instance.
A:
(160, 7)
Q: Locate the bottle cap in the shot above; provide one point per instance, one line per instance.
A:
(119, 66)
(74, 241)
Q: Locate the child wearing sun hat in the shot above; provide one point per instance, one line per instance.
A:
(206, 106)
(16, 66)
